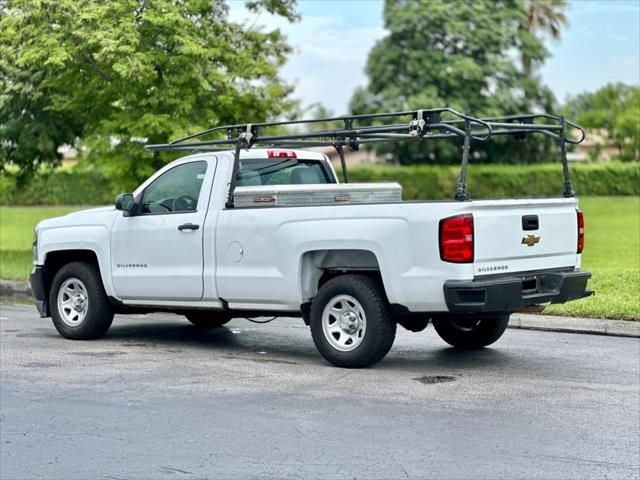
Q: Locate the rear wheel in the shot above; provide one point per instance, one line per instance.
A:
(351, 323)
(80, 309)
(470, 333)
(207, 319)
(414, 322)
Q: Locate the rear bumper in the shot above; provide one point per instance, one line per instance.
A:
(511, 293)
(36, 279)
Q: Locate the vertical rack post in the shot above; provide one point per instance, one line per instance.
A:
(234, 174)
(348, 125)
(461, 190)
(343, 163)
(567, 190)
(244, 140)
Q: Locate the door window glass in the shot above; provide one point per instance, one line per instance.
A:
(176, 190)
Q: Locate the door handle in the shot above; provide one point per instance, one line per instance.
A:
(188, 226)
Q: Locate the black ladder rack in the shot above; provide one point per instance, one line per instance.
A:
(410, 125)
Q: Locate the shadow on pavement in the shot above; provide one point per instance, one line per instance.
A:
(230, 340)
(450, 358)
(299, 349)
(290, 345)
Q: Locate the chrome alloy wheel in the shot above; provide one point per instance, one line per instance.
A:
(344, 323)
(73, 302)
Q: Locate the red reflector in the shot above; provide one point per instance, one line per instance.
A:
(269, 199)
(456, 239)
(281, 154)
(580, 231)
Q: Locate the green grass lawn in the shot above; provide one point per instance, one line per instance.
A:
(612, 253)
(16, 236)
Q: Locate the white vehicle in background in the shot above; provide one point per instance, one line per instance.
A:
(270, 231)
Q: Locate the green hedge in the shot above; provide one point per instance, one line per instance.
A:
(77, 187)
(58, 187)
(500, 181)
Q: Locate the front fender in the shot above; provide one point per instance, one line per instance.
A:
(93, 238)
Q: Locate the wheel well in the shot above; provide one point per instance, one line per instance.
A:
(57, 259)
(317, 267)
(329, 274)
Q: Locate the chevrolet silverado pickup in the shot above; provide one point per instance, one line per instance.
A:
(271, 231)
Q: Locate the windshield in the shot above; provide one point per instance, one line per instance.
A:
(291, 171)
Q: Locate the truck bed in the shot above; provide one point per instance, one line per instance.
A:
(403, 238)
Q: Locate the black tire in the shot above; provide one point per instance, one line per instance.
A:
(98, 313)
(415, 322)
(470, 333)
(380, 327)
(207, 318)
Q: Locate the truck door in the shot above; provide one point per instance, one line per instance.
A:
(158, 253)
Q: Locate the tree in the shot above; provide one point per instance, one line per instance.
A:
(317, 111)
(112, 76)
(459, 54)
(614, 108)
(547, 17)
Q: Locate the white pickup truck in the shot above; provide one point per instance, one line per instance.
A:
(271, 232)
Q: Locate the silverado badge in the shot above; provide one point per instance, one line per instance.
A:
(530, 240)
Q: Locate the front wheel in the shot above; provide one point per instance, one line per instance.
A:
(351, 323)
(470, 333)
(80, 309)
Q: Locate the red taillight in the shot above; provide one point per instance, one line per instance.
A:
(580, 231)
(281, 154)
(456, 239)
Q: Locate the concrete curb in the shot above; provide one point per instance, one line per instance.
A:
(551, 323)
(597, 326)
(15, 287)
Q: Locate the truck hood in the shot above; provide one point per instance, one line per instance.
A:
(91, 216)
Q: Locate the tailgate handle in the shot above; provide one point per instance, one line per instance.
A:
(530, 222)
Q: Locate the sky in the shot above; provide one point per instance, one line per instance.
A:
(333, 38)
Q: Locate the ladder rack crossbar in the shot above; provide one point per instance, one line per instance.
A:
(409, 125)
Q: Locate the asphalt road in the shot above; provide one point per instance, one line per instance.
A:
(158, 398)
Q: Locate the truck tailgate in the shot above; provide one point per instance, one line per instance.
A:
(524, 235)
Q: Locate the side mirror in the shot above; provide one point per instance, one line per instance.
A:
(126, 203)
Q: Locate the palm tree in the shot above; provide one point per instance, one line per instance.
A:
(545, 16)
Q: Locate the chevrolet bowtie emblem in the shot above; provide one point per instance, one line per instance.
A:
(530, 240)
